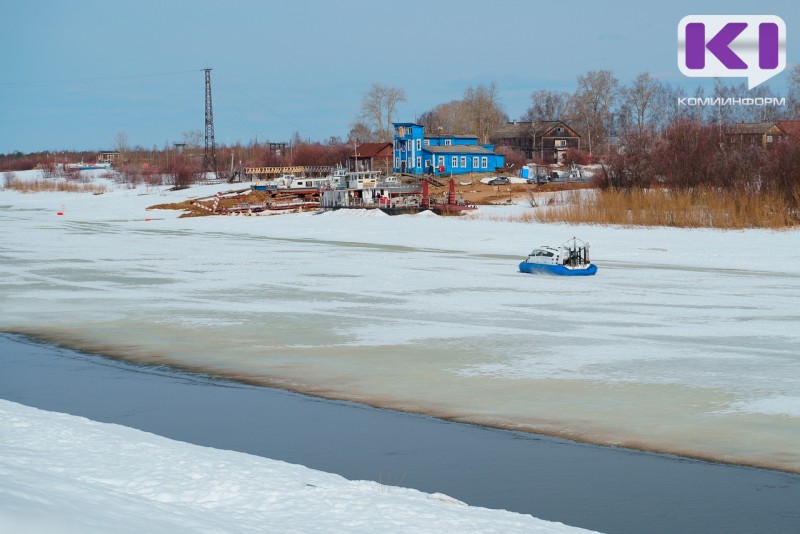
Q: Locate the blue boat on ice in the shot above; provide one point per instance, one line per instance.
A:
(570, 259)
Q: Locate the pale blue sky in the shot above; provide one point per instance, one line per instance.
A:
(74, 74)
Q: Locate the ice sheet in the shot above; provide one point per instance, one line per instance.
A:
(673, 346)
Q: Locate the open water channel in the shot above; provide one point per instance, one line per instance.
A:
(602, 488)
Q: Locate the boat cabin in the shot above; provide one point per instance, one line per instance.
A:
(544, 254)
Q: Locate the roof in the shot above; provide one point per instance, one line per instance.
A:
(759, 128)
(534, 128)
(371, 150)
(790, 127)
(458, 149)
(450, 136)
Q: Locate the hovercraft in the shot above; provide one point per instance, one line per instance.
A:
(570, 259)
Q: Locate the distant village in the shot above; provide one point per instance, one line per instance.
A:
(634, 137)
(416, 171)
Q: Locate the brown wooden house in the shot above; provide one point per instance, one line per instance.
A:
(547, 140)
(766, 134)
(372, 157)
(791, 128)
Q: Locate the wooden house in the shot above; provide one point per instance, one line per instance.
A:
(371, 157)
(544, 140)
(766, 134)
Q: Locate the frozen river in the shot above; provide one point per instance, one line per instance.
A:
(685, 342)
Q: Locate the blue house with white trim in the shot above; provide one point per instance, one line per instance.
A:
(417, 153)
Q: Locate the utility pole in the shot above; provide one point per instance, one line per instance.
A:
(210, 154)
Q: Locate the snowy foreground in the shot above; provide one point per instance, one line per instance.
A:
(66, 474)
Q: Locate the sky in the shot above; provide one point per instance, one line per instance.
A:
(77, 74)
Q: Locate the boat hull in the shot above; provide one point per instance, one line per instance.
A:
(560, 270)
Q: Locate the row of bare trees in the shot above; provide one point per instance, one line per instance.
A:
(478, 112)
(689, 155)
(600, 109)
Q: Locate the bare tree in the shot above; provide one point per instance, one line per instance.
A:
(794, 93)
(725, 115)
(193, 138)
(121, 142)
(641, 103)
(593, 105)
(360, 133)
(483, 112)
(392, 97)
(547, 106)
(378, 107)
(449, 117)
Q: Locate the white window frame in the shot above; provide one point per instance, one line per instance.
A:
(441, 161)
(427, 142)
(419, 144)
(454, 162)
(475, 162)
(484, 162)
(447, 142)
(419, 161)
(463, 162)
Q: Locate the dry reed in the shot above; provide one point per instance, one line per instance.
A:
(42, 186)
(704, 207)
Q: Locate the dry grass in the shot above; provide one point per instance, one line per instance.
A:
(41, 186)
(697, 208)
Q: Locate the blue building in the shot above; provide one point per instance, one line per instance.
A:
(417, 153)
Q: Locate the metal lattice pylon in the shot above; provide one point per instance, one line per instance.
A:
(210, 154)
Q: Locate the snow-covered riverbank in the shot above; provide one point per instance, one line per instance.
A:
(67, 474)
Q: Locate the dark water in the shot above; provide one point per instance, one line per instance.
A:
(600, 488)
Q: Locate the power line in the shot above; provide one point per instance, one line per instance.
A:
(29, 83)
(259, 104)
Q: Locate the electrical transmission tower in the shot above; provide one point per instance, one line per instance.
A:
(210, 154)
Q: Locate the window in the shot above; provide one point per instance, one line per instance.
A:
(454, 162)
(561, 142)
(419, 161)
(475, 162)
(769, 139)
(441, 161)
(447, 142)
(484, 162)
(427, 142)
(463, 162)
(419, 144)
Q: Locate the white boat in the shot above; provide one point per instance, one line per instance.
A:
(570, 259)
